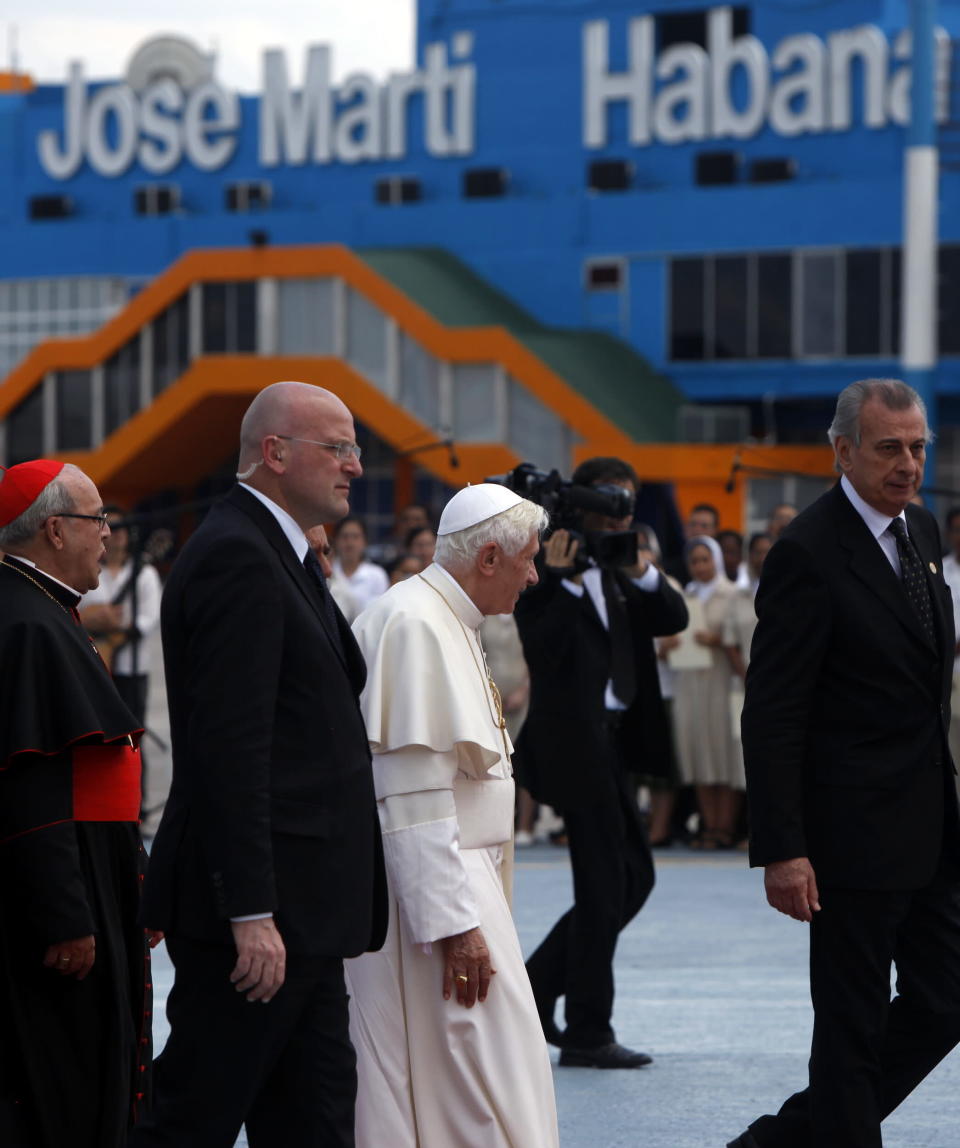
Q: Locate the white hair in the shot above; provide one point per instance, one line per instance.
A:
(511, 529)
(893, 393)
(53, 499)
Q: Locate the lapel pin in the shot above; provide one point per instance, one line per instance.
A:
(933, 567)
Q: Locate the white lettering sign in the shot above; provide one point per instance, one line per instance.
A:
(805, 85)
(162, 125)
(359, 120)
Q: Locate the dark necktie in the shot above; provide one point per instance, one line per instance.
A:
(622, 670)
(313, 568)
(913, 577)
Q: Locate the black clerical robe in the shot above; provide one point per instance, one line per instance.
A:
(74, 1055)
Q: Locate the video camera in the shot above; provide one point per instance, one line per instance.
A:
(566, 503)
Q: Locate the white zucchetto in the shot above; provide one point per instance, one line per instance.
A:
(475, 504)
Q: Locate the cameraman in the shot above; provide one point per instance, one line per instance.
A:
(595, 706)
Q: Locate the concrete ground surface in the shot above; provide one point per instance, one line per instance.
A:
(710, 981)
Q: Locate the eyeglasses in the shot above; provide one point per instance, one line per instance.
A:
(342, 450)
(100, 519)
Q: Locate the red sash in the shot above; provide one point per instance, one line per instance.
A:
(106, 783)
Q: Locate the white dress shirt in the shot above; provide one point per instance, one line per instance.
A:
(649, 580)
(877, 523)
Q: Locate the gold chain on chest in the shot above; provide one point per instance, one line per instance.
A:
(497, 700)
(42, 589)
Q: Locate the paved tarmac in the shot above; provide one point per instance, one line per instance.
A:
(712, 983)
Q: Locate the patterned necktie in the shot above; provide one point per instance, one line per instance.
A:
(913, 577)
(313, 568)
(622, 670)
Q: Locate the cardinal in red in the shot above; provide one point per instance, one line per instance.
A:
(75, 1015)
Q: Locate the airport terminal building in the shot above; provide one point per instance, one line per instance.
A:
(669, 232)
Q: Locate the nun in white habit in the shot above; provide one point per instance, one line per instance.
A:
(449, 1046)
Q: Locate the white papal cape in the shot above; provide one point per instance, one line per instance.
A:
(433, 1074)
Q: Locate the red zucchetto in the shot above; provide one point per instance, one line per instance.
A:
(20, 485)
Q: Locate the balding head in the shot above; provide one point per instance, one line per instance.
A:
(287, 451)
(275, 410)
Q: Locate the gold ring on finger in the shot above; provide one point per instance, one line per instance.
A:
(462, 979)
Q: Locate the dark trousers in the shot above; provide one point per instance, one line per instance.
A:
(869, 1052)
(286, 1069)
(612, 878)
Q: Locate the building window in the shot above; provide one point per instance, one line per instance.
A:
(774, 321)
(691, 27)
(248, 196)
(157, 199)
(535, 432)
(394, 189)
(306, 316)
(34, 310)
(475, 406)
(366, 339)
(819, 303)
(419, 382)
(171, 344)
(25, 429)
(948, 312)
(121, 386)
(74, 396)
(688, 336)
(604, 275)
(800, 304)
(230, 318)
(730, 307)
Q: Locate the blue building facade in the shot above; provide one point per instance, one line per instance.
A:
(719, 187)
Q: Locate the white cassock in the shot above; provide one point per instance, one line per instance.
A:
(433, 1074)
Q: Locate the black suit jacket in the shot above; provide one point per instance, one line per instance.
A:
(567, 648)
(272, 806)
(848, 705)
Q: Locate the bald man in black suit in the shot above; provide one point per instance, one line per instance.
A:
(267, 869)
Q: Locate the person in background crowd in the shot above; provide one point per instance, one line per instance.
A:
(267, 868)
(853, 810)
(449, 1045)
(731, 546)
(74, 963)
(951, 574)
(702, 705)
(780, 517)
(703, 520)
(339, 589)
(421, 543)
(405, 567)
(737, 637)
(509, 670)
(366, 580)
(742, 616)
(595, 710)
(106, 611)
(659, 771)
(386, 553)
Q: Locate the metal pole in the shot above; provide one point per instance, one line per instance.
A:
(920, 178)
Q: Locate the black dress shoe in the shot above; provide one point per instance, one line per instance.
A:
(744, 1140)
(611, 1055)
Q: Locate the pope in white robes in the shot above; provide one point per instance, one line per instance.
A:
(450, 1049)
